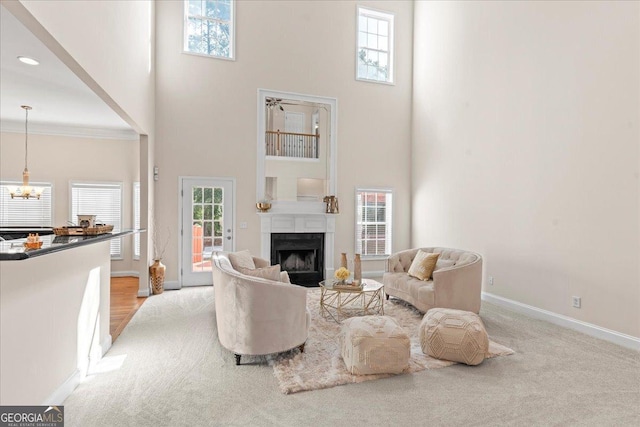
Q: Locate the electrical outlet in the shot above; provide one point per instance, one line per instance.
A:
(243, 225)
(491, 280)
(576, 302)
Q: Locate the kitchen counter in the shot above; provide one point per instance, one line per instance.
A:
(14, 250)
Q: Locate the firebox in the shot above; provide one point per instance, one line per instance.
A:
(301, 255)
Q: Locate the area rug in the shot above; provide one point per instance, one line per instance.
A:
(321, 366)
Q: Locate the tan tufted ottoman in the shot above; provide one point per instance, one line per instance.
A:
(374, 345)
(454, 335)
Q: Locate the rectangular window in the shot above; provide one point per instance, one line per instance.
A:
(29, 212)
(102, 199)
(373, 222)
(209, 28)
(136, 220)
(374, 57)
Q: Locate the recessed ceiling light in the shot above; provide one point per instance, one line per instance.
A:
(28, 60)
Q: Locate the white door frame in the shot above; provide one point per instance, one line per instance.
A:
(181, 179)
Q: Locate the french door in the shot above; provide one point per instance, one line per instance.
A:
(206, 226)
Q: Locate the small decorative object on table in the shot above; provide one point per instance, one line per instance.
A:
(342, 274)
(264, 205)
(33, 241)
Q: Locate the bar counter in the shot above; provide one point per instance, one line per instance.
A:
(14, 250)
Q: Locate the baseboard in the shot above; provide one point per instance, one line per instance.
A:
(65, 389)
(172, 285)
(144, 293)
(590, 329)
(125, 273)
(372, 274)
(105, 345)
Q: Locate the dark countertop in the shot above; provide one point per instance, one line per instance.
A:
(14, 250)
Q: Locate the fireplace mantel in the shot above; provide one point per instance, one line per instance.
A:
(280, 222)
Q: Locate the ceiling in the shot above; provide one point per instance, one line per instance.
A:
(62, 103)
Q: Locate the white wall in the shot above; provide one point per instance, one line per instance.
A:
(526, 149)
(207, 116)
(61, 159)
(112, 41)
(110, 45)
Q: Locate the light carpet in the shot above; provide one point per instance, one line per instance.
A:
(321, 366)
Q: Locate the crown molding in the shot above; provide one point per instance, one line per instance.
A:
(14, 126)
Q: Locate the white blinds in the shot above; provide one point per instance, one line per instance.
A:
(29, 212)
(373, 222)
(136, 220)
(103, 200)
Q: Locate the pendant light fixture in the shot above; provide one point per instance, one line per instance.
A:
(26, 191)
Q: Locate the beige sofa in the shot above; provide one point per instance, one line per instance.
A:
(257, 316)
(456, 283)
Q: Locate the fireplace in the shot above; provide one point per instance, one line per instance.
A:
(301, 255)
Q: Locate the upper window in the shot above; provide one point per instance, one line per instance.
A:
(374, 56)
(373, 222)
(102, 199)
(209, 27)
(30, 212)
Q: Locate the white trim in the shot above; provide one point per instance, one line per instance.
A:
(105, 345)
(261, 152)
(380, 15)
(372, 274)
(590, 329)
(130, 273)
(172, 285)
(64, 390)
(232, 34)
(12, 126)
(144, 293)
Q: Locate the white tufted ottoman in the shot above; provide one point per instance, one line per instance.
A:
(454, 335)
(374, 345)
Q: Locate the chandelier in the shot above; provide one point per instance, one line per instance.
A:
(26, 191)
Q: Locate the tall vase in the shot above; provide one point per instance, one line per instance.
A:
(343, 260)
(357, 269)
(156, 274)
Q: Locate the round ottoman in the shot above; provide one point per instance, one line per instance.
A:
(374, 345)
(454, 335)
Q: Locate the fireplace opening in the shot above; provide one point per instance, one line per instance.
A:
(301, 255)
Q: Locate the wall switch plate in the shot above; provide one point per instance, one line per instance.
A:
(576, 302)
(243, 225)
(491, 280)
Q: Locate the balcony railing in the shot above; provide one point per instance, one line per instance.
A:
(289, 144)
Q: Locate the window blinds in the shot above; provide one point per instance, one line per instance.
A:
(373, 222)
(104, 200)
(29, 212)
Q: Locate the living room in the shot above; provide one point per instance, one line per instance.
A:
(511, 129)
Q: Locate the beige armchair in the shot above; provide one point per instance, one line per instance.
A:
(257, 316)
(456, 283)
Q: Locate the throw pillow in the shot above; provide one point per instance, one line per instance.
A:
(423, 265)
(284, 277)
(269, 273)
(242, 259)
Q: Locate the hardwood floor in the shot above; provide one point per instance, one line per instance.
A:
(124, 303)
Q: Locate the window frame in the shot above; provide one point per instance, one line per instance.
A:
(388, 222)
(8, 183)
(120, 185)
(232, 33)
(380, 15)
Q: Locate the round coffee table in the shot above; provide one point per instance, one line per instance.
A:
(340, 303)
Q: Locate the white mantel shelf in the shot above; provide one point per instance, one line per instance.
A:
(297, 222)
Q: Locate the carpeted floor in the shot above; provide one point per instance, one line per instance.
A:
(170, 370)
